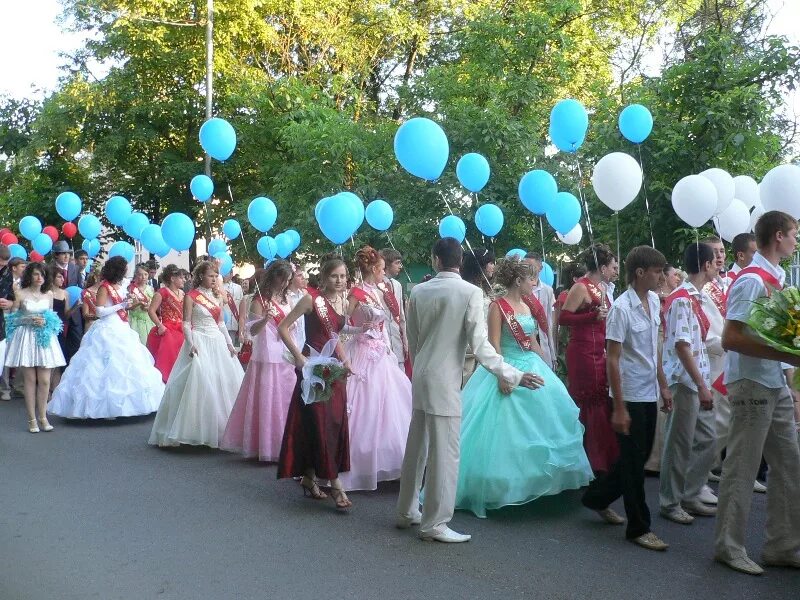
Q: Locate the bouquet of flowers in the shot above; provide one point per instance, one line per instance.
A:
(776, 320)
(320, 372)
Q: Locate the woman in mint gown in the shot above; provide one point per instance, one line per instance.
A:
(517, 446)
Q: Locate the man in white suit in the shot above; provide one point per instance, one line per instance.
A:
(397, 326)
(444, 315)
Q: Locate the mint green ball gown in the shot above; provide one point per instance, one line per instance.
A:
(522, 446)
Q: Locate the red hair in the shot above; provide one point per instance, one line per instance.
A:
(366, 258)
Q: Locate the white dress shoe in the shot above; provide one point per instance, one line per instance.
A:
(404, 522)
(759, 487)
(742, 564)
(448, 536)
(699, 509)
(707, 496)
(677, 515)
(781, 560)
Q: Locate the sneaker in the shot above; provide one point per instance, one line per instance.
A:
(714, 477)
(707, 496)
(699, 509)
(610, 517)
(781, 560)
(651, 541)
(5, 395)
(759, 487)
(677, 515)
(742, 564)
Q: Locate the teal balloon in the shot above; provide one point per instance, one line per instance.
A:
(73, 295)
(216, 246)
(135, 224)
(318, 206)
(266, 247)
(202, 187)
(338, 219)
(89, 226)
(68, 205)
(452, 226)
(380, 215)
(358, 206)
(546, 275)
(295, 238)
(537, 191)
(152, 239)
(92, 247)
(565, 213)
(473, 171)
(218, 138)
(225, 262)
(123, 249)
(30, 227)
(231, 229)
(489, 219)
(42, 243)
(18, 251)
(178, 231)
(262, 213)
(635, 123)
(118, 209)
(421, 148)
(569, 122)
(516, 253)
(283, 245)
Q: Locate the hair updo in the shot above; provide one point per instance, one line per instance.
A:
(508, 270)
(366, 258)
(604, 257)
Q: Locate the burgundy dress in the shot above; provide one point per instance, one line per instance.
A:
(316, 435)
(586, 378)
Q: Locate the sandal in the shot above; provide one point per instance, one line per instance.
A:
(340, 498)
(312, 489)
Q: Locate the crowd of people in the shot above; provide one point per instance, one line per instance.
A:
(455, 390)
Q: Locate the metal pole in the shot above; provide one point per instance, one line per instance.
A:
(209, 69)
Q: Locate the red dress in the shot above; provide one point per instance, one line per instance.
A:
(317, 435)
(586, 378)
(165, 348)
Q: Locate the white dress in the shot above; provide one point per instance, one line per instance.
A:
(201, 389)
(111, 375)
(23, 350)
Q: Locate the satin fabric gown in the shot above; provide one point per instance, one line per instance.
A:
(23, 349)
(139, 319)
(165, 348)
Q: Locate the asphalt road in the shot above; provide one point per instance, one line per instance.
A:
(91, 511)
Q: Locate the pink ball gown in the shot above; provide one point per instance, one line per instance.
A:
(255, 427)
(378, 397)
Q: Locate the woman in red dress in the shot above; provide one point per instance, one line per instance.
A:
(585, 311)
(166, 338)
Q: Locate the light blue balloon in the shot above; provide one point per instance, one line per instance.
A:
(68, 205)
(358, 206)
(202, 187)
(635, 123)
(379, 215)
(123, 249)
(546, 275)
(231, 229)
(537, 191)
(73, 295)
(452, 226)
(92, 247)
(569, 122)
(266, 247)
(216, 246)
(42, 243)
(560, 142)
(218, 138)
(262, 213)
(18, 251)
(118, 209)
(565, 213)
(89, 226)
(135, 224)
(283, 245)
(337, 218)
(295, 238)
(320, 203)
(473, 171)
(30, 227)
(178, 231)
(516, 253)
(421, 148)
(225, 262)
(489, 219)
(152, 239)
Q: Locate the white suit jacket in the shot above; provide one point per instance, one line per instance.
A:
(394, 328)
(444, 315)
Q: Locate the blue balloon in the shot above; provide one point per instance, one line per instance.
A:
(283, 244)
(42, 243)
(379, 215)
(516, 252)
(338, 218)
(489, 219)
(421, 148)
(68, 205)
(152, 239)
(565, 213)
(92, 247)
(118, 209)
(216, 246)
(537, 191)
(635, 123)
(89, 226)
(225, 262)
(18, 251)
(135, 224)
(452, 226)
(318, 206)
(30, 227)
(73, 295)
(295, 238)
(569, 122)
(262, 213)
(266, 247)
(218, 138)
(202, 187)
(473, 171)
(178, 231)
(123, 249)
(358, 206)
(546, 275)
(231, 229)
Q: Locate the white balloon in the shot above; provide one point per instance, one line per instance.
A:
(617, 179)
(780, 190)
(735, 220)
(694, 199)
(724, 185)
(746, 190)
(573, 237)
(758, 210)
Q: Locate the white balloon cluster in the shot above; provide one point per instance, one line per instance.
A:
(573, 237)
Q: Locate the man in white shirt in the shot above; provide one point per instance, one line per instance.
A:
(397, 325)
(762, 414)
(545, 296)
(636, 379)
(744, 247)
(689, 435)
(230, 309)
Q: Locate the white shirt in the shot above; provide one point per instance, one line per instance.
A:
(743, 292)
(682, 326)
(610, 286)
(544, 294)
(628, 324)
(300, 325)
(236, 294)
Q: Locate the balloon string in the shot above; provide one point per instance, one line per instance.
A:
(466, 241)
(616, 218)
(244, 243)
(391, 243)
(646, 201)
(541, 233)
(586, 209)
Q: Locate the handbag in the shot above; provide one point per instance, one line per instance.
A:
(245, 352)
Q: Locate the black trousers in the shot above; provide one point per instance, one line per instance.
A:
(626, 477)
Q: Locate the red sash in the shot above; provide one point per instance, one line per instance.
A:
(732, 276)
(272, 309)
(717, 295)
(365, 297)
(204, 301)
(697, 308)
(115, 299)
(393, 305)
(519, 334)
(232, 306)
(537, 310)
(596, 293)
(323, 310)
(89, 300)
(140, 296)
(769, 280)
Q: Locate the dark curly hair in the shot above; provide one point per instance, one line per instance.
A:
(275, 279)
(114, 270)
(53, 271)
(603, 253)
(200, 270)
(27, 276)
(473, 268)
(366, 258)
(168, 273)
(510, 269)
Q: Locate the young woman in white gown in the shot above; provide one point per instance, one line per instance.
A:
(205, 380)
(112, 373)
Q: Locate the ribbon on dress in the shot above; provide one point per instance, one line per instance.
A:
(323, 310)
(517, 331)
(212, 307)
(697, 308)
(137, 293)
(115, 299)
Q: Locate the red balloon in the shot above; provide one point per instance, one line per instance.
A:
(35, 256)
(8, 239)
(68, 229)
(4, 231)
(52, 232)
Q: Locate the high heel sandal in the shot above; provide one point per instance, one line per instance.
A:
(44, 425)
(32, 426)
(340, 498)
(312, 489)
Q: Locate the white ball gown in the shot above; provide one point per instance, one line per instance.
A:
(201, 389)
(111, 375)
